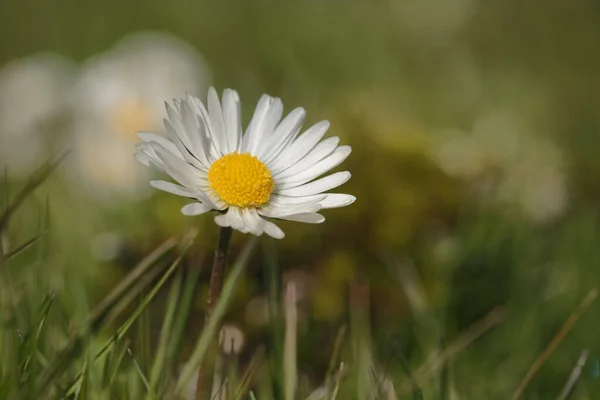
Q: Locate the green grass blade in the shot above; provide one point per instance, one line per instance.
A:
(218, 312)
(289, 353)
(141, 374)
(117, 363)
(131, 281)
(244, 385)
(184, 309)
(119, 334)
(83, 388)
(98, 318)
(36, 180)
(158, 365)
(334, 361)
(23, 247)
(133, 317)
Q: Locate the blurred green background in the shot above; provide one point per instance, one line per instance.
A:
(475, 129)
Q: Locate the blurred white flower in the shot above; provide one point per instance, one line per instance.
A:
(526, 170)
(121, 92)
(33, 91)
(231, 339)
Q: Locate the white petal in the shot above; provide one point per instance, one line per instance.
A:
(320, 151)
(273, 230)
(181, 171)
(179, 130)
(143, 158)
(318, 186)
(205, 128)
(216, 119)
(308, 218)
(232, 117)
(285, 200)
(195, 209)
(232, 218)
(285, 133)
(318, 169)
(299, 148)
(152, 137)
(172, 188)
(215, 200)
(253, 130)
(335, 200)
(325, 200)
(248, 221)
(147, 154)
(182, 150)
(266, 116)
(253, 221)
(278, 211)
(195, 128)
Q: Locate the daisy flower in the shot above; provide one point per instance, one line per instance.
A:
(267, 172)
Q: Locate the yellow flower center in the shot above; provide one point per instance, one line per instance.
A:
(241, 180)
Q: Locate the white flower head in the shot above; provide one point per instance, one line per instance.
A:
(121, 92)
(267, 172)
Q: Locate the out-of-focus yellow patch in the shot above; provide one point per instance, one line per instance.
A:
(131, 116)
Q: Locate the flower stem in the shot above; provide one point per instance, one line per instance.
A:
(214, 291)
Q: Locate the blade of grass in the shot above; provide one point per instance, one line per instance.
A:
(560, 335)
(98, 317)
(118, 361)
(106, 366)
(141, 374)
(359, 294)
(32, 343)
(36, 180)
(218, 312)
(218, 383)
(102, 309)
(83, 392)
(338, 379)
(24, 246)
(184, 310)
(430, 368)
(335, 355)
(215, 288)
(147, 299)
(119, 334)
(161, 353)
(574, 376)
(416, 390)
(142, 331)
(9, 367)
(289, 347)
(257, 359)
(275, 313)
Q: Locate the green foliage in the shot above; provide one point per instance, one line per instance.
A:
(464, 291)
